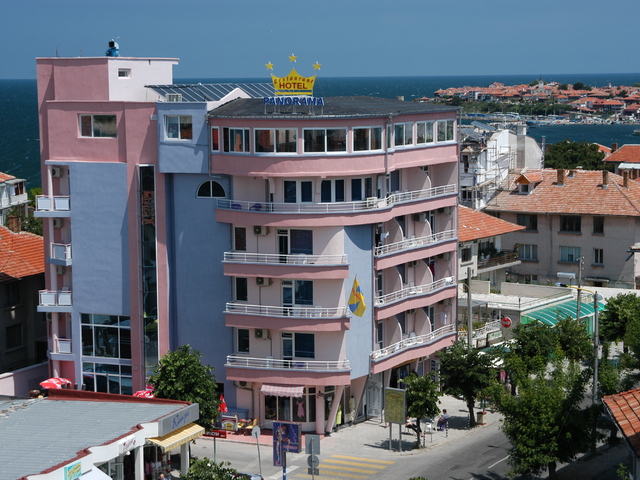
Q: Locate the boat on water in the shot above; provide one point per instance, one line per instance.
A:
(636, 132)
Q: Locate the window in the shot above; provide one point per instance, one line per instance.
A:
(179, 127)
(465, 254)
(524, 189)
(211, 188)
(242, 289)
(240, 239)
(570, 224)
(445, 130)
(466, 194)
(243, 340)
(280, 140)
(598, 256)
(424, 132)
(403, 134)
(124, 72)
(236, 140)
(298, 191)
(332, 191)
(108, 378)
(570, 254)
(322, 140)
(297, 292)
(13, 336)
(380, 335)
(598, 225)
(365, 139)
(98, 126)
(215, 139)
(528, 253)
(106, 336)
(294, 242)
(530, 222)
(11, 294)
(361, 188)
(402, 322)
(297, 345)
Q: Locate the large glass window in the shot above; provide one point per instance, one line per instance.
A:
(106, 336)
(528, 252)
(368, 138)
(243, 340)
(530, 222)
(297, 292)
(98, 126)
(236, 140)
(289, 409)
(570, 224)
(598, 225)
(570, 254)
(332, 190)
(403, 134)
(211, 188)
(445, 130)
(424, 132)
(297, 345)
(242, 289)
(108, 378)
(279, 140)
(320, 140)
(240, 239)
(298, 191)
(179, 127)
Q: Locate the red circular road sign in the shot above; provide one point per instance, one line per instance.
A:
(506, 322)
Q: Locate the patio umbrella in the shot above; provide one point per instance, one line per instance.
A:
(146, 393)
(56, 382)
(222, 406)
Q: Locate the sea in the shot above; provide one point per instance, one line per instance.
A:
(19, 134)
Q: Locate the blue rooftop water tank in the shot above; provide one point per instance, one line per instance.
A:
(114, 49)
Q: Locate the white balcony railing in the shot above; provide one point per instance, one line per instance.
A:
(277, 259)
(373, 203)
(53, 298)
(61, 251)
(275, 363)
(487, 328)
(411, 243)
(413, 342)
(13, 200)
(54, 203)
(296, 311)
(414, 291)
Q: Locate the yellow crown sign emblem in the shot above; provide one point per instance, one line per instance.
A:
(293, 84)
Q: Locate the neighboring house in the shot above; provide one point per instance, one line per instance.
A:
(626, 159)
(23, 330)
(480, 246)
(486, 157)
(579, 226)
(624, 410)
(236, 221)
(12, 194)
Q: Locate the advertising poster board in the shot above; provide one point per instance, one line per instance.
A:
(286, 438)
(394, 405)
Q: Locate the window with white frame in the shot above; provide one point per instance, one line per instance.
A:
(298, 191)
(106, 336)
(107, 378)
(367, 139)
(98, 126)
(235, 140)
(446, 130)
(403, 134)
(215, 139)
(528, 253)
(569, 254)
(325, 140)
(179, 127)
(298, 345)
(598, 256)
(211, 188)
(361, 188)
(424, 132)
(332, 190)
(275, 140)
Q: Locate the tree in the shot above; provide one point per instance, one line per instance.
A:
(181, 376)
(29, 223)
(545, 423)
(206, 469)
(573, 339)
(466, 372)
(568, 154)
(621, 311)
(581, 86)
(422, 397)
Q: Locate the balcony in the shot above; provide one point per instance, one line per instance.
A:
(278, 259)
(277, 364)
(297, 266)
(293, 311)
(414, 243)
(53, 206)
(61, 254)
(414, 291)
(62, 346)
(13, 200)
(412, 342)
(502, 259)
(369, 204)
(295, 318)
(55, 301)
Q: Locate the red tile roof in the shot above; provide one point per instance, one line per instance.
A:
(5, 176)
(625, 409)
(582, 194)
(473, 225)
(21, 255)
(625, 154)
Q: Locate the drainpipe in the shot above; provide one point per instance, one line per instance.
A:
(386, 155)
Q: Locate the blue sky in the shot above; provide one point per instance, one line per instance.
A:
(236, 38)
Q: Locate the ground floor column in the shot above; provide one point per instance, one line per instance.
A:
(138, 461)
(184, 459)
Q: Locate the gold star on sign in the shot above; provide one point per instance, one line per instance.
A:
(269, 66)
(292, 58)
(316, 66)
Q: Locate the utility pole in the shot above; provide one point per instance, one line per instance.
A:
(596, 341)
(580, 263)
(469, 311)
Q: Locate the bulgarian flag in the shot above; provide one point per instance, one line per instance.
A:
(356, 299)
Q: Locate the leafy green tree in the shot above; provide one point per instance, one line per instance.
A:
(29, 223)
(581, 86)
(568, 154)
(563, 86)
(466, 372)
(181, 376)
(421, 396)
(206, 469)
(545, 423)
(621, 311)
(573, 339)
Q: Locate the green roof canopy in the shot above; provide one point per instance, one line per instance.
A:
(553, 314)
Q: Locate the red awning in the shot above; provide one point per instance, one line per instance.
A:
(282, 390)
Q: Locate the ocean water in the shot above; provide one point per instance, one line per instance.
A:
(19, 137)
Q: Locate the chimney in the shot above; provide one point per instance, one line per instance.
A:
(13, 223)
(625, 179)
(605, 179)
(560, 181)
(614, 147)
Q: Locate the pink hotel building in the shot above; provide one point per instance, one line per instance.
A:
(205, 215)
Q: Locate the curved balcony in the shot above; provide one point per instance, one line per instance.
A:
(414, 291)
(274, 363)
(297, 266)
(414, 243)
(278, 259)
(294, 318)
(412, 342)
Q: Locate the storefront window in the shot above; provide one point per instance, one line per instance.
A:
(287, 409)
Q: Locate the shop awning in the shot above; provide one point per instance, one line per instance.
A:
(553, 314)
(178, 437)
(282, 390)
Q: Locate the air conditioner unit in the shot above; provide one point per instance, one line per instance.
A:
(445, 210)
(262, 333)
(58, 223)
(56, 172)
(420, 217)
(259, 230)
(413, 263)
(265, 281)
(173, 97)
(372, 202)
(60, 269)
(243, 384)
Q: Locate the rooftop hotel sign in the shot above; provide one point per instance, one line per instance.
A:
(294, 89)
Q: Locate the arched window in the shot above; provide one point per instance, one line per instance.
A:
(211, 188)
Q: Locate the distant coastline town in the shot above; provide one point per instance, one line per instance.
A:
(542, 103)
